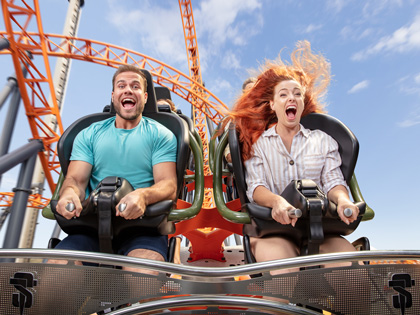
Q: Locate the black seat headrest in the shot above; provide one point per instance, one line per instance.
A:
(162, 92)
(164, 108)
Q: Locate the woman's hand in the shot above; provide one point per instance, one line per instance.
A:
(344, 203)
(280, 212)
(340, 197)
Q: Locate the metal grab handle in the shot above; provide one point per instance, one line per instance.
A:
(70, 207)
(348, 212)
(122, 207)
(295, 213)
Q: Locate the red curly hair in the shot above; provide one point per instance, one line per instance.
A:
(252, 113)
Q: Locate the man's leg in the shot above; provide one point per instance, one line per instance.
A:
(147, 247)
(76, 242)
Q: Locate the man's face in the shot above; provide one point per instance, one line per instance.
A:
(129, 95)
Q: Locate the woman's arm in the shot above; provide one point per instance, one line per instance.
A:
(279, 205)
(340, 197)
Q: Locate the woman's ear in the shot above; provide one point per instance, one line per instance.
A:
(271, 105)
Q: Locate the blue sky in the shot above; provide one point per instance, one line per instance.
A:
(373, 47)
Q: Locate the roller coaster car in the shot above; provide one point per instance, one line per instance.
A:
(101, 203)
(319, 216)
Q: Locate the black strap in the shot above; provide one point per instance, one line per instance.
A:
(105, 234)
(316, 232)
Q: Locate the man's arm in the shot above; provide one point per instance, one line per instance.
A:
(73, 189)
(164, 175)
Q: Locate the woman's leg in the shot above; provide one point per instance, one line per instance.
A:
(273, 248)
(336, 244)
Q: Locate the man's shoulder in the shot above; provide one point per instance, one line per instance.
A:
(155, 125)
(151, 122)
(99, 125)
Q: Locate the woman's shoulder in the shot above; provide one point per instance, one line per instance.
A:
(322, 137)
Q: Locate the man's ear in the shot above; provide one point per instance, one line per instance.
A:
(112, 97)
(145, 97)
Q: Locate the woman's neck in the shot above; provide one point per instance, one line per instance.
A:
(287, 134)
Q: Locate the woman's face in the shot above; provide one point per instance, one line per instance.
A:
(288, 103)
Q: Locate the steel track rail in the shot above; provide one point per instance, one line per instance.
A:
(211, 272)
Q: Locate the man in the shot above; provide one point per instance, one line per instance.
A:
(130, 146)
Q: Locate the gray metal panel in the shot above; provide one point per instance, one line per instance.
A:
(356, 289)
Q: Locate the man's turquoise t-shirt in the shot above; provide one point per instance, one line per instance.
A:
(130, 154)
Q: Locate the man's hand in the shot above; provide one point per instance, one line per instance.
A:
(73, 189)
(67, 198)
(133, 205)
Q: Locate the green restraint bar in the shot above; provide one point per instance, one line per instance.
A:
(47, 212)
(357, 196)
(176, 214)
(242, 217)
(188, 213)
(212, 149)
(233, 216)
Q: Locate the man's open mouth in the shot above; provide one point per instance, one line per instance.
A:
(128, 103)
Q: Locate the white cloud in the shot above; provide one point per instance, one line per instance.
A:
(410, 84)
(220, 86)
(373, 8)
(312, 28)
(164, 37)
(222, 20)
(414, 119)
(359, 86)
(230, 61)
(356, 33)
(404, 39)
(336, 5)
(417, 79)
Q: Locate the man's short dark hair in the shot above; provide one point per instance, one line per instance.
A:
(248, 81)
(130, 68)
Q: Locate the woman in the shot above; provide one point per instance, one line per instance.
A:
(274, 142)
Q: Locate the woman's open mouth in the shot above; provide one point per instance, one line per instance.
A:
(291, 112)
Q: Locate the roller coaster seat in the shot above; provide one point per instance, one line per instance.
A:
(155, 221)
(162, 92)
(300, 193)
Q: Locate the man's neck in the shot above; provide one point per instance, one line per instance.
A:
(122, 123)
